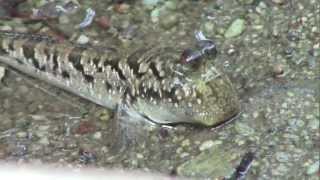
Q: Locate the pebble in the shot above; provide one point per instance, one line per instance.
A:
(171, 5)
(244, 129)
(280, 170)
(122, 8)
(314, 124)
(22, 134)
(261, 8)
(104, 22)
(97, 135)
(6, 28)
(155, 15)
(185, 142)
(150, 3)
(282, 156)
(140, 156)
(295, 124)
(313, 168)
(279, 1)
(5, 123)
(209, 27)
(246, 2)
(85, 127)
(235, 29)
(3, 151)
(104, 115)
(64, 19)
(44, 128)
(206, 145)
(23, 89)
(83, 39)
(44, 140)
(169, 20)
(208, 164)
(277, 70)
(2, 72)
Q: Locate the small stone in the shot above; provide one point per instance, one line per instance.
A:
(104, 22)
(290, 94)
(169, 20)
(33, 107)
(140, 156)
(206, 145)
(246, 2)
(209, 27)
(313, 168)
(44, 140)
(85, 127)
(171, 5)
(2, 72)
(279, 1)
(235, 29)
(155, 15)
(22, 134)
(281, 169)
(104, 115)
(261, 8)
(5, 123)
(278, 70)
(282, 157)
(185, 142)
(184, 154)
(22, 29)
(213, 163)
(6, 104)
(150, 3)
(314, 124)
(97, 135)
(244, 129)
(6, 28)
(23, 89)
(64, 19)
(3, 151)
(122, 8)
(83, 39)
(295, 124)
(44, 128)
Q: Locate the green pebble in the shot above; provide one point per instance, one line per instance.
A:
(313, 168)
(209, 27)
(235, 29)
(150, 3)
(104, 115)
(213, 163)
(185, 143)
(244, 129)
(172, 5)
(246, 2)
(155, 15)
(169, 20)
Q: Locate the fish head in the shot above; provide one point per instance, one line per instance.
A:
(196, 93)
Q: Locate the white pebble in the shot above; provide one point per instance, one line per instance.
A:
(2, 72)
(83, 39)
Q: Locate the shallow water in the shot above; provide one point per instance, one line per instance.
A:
(272, 60)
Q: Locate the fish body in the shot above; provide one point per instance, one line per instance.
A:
(149, 80)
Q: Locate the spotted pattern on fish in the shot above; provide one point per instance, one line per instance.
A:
(151, 80)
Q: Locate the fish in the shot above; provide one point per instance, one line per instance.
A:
(149, 81)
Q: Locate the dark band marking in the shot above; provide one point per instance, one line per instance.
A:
(65, 75)
(75, 59)
(28, 50)
(55, 61)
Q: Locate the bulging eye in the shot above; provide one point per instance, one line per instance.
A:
(204, 47)
(189, 56)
